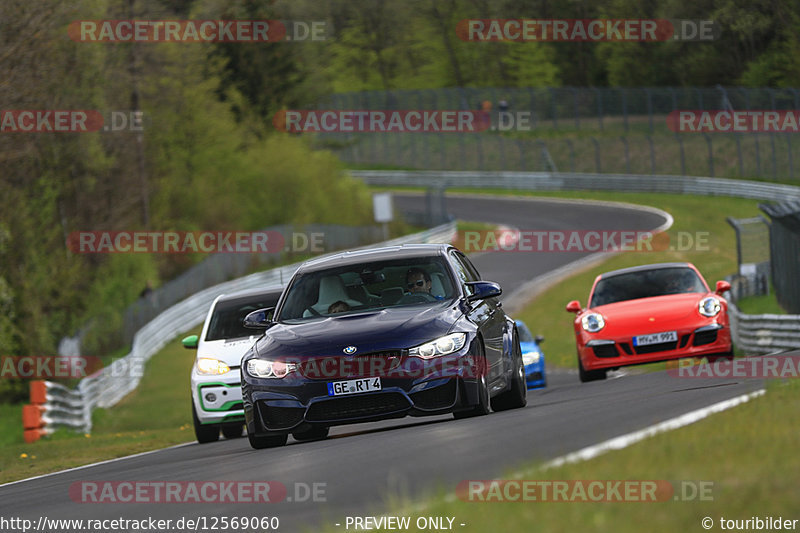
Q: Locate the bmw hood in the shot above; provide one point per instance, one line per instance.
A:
(370, 331)
(229, 351)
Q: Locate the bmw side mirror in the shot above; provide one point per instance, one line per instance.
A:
(538, 339)
(259, 319)
(723, 286)
(574, 306)
(481, 290)
(190, 342)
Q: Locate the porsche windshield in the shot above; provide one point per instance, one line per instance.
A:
(646, 284)
(366, 286)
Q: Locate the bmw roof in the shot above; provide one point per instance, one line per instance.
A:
(376, 254)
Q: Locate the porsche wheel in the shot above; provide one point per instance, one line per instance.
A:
(589, 375)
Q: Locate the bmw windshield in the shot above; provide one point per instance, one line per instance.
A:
(367, 286)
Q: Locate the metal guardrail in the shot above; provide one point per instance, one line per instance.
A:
(761, 334)
(751, 333)
(53, 405)
(565, 181)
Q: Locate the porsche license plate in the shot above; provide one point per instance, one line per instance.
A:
(655, 338)
(354, 386)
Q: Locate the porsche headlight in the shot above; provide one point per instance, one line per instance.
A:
(709, 306)
(529, 358)
(262, 368)
(209, 366)
(441, 346)
(593, 322)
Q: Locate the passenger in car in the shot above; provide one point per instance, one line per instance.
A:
(338, 307)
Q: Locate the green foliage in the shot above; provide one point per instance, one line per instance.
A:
(119, 279)
(203, 161)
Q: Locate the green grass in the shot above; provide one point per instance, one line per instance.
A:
(157, 414)
(759, 305)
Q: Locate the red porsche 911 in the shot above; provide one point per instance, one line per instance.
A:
(647, 314)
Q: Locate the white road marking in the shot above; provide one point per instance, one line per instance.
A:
(623, 441)
(618, 443)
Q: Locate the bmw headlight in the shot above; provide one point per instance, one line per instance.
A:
(262, 368)
(209, 366)
(593, 322)
(529, 358)
(441, 346)
(709, 306)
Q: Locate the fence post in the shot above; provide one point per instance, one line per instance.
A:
(599, 96)
(625, 108)
(627, 155)
(596, 155)
(758, 155)
(555, 108)
(710, 154)
(533, 105)
(774, 155)
(479, 147)
(575, 108)
(443, 148)
(739, 153)
(649, 108)
(683, 155)
(501, 145)
(571, 155)
(652, 155)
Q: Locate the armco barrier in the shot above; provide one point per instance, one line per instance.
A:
(562, 181)
(756, 334)
(53, 405)
(768, 333)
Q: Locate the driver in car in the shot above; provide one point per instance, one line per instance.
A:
(418, 281)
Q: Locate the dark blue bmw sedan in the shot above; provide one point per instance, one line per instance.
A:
(375, 334)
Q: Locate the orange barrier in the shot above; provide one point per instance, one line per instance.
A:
(32, 421)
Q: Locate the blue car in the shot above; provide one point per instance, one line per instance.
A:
(381, 333)
(532, 357)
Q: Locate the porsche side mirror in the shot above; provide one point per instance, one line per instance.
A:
(723, 286)
(574, 306)
(539, 339)
(259, 319)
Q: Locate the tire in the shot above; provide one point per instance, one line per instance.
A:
(204, 432)
(316, 433)
(483, 392)
(232, 431)
(269, 441)
(517, 395)
(589, 375)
